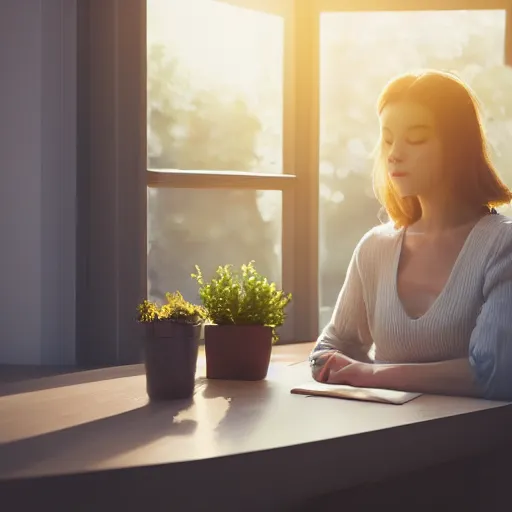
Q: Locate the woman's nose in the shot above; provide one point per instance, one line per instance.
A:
(393, 159)
(395, 155)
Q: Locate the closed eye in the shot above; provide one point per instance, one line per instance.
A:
(415, 135)
(418, 135)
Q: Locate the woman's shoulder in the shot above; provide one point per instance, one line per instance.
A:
(501, 226)
(382, 233)
(376, 240)
(499, 236)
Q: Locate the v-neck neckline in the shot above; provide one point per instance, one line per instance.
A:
(449, 282)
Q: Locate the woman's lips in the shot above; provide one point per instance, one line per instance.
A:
(398, 174)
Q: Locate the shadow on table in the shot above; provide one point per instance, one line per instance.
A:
(241, 409)
(16, 380)
(249, 403)
(90, 443)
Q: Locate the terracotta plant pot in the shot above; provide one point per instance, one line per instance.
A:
(170, 351)
(237, 352)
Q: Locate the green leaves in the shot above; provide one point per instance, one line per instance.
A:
(176, 309)
(242, 297)
(231, 297)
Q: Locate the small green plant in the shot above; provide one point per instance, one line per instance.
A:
(176, 309)
(242, 297)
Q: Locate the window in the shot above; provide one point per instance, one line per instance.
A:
(215, 87)
(222, 178)
(215, 103)
(216, 90)
(197, 226)
(288, 136)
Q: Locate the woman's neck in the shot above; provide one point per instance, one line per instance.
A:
(447, 217)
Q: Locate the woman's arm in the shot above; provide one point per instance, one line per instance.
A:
(455, 377)
(490, 346)
(348, 331)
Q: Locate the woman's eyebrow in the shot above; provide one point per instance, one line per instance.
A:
(412, 127)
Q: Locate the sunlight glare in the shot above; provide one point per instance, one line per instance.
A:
(219, 42)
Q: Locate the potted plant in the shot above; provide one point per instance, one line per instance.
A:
(171, 346)
(244, 309)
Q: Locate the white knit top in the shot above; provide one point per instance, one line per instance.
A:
(472, 316)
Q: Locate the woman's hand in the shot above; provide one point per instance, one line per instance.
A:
(354, 374)
(325, 361)
(335, 368)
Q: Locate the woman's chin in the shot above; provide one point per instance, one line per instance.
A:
(404, 193)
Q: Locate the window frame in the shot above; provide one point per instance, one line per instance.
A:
(405, 5)
(111, 181)
(112, 175)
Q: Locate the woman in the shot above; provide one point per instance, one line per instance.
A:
(431, 291)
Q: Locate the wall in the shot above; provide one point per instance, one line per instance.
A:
(38, 181)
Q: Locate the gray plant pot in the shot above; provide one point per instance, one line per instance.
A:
(170, 357)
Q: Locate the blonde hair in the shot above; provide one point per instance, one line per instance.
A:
(459, 127)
